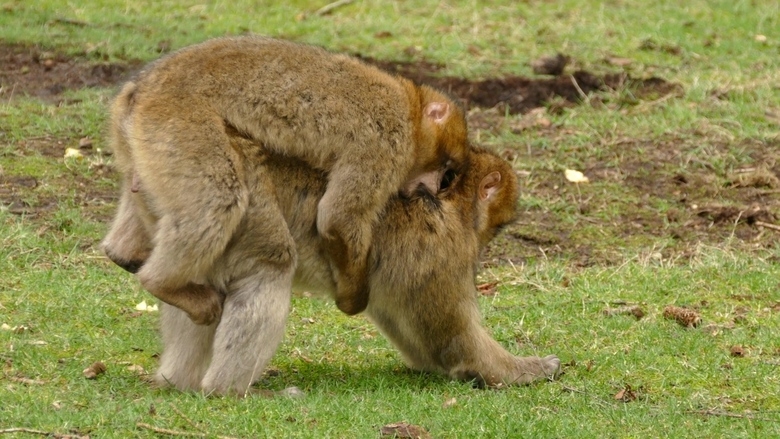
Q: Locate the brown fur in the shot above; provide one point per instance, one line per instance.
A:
(373, 133)
(422, 266)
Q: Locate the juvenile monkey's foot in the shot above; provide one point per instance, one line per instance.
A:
(530, 369)
(202, 303)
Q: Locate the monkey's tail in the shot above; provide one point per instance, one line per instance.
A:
(118, 129)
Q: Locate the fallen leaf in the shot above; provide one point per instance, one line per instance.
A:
(136, 368)
(405, 431)
(619, 62)
(575, 176)
(487, 289)
(449, 403)
(684, 316)
(291, 392)
(536, 118)
(143, 306)
(73, 153)
(737, 351)
(626, 394)
(97, 368)
(760, 38)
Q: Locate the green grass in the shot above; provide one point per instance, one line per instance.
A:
(78, 308)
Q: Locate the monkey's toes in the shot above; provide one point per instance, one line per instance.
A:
(205, 306)
(551, 365)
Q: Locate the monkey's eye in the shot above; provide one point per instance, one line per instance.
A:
(447, 179)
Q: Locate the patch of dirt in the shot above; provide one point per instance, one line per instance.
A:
(518, 94)
(668, 194)
(36, 72)
(44, 74)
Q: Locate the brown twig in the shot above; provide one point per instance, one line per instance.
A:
(72, 22)
(330, 7)
(767, 225)
(28, 381)
(170, 432)
(189, 421)
(713, 412)
(41, 432)
(24, 430)
(579, 90)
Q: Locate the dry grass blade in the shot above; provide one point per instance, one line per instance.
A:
(404, 430)
(330, 7)
(633, 310)
(169, 432)
(92, 372)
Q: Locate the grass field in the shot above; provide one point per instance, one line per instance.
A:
(682, 208)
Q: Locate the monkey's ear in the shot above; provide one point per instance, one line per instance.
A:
(437, 112)
(489, 185)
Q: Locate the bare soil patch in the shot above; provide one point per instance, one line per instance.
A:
(32, 71)
(662, 194)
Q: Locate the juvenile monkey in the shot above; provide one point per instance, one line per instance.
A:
(372, 133)
(423, 260)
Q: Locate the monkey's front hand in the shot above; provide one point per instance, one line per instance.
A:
(346, 241)
(351, 294)
(350, 273)
(529, 369)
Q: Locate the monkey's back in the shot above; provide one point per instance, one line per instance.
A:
(298, 100)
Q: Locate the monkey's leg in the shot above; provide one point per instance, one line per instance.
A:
(256, 272)
(252, 325)
(194, 182)
(186, 350)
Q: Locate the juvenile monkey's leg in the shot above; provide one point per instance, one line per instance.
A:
(186, 350)
(194, 183)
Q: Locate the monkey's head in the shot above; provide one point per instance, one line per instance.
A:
(425, 256)
(489, 186)
(442, 142)
(496, 193)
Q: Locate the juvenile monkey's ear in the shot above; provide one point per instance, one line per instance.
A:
(437, 112)
(489, 185)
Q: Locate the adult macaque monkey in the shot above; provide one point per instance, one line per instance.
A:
(373, 133)
(422, 264)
